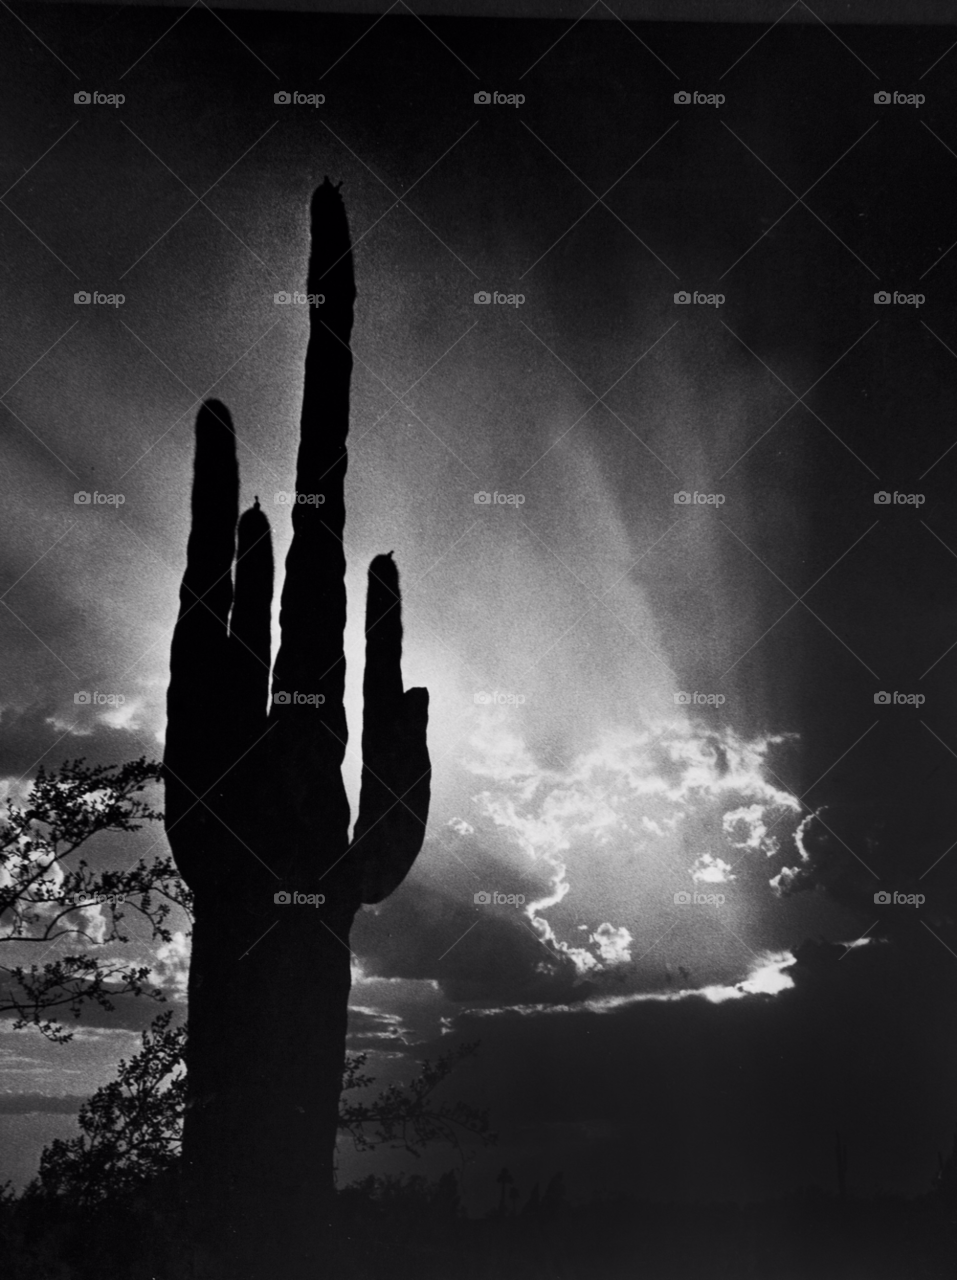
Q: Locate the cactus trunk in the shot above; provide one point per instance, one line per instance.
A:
(256, 807)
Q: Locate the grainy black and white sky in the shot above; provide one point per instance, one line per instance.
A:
(702, 1049)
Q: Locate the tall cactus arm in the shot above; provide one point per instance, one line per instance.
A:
(312, 742)
(196, 753)
(396, 771)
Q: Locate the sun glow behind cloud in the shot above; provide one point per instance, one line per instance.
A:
(641, 815)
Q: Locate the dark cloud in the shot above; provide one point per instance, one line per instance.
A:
(476, 952)
(52, 730)
(129, 1012)
(23, 1104)
(741, 1099)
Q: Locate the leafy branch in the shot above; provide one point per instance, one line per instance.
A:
(48, 898)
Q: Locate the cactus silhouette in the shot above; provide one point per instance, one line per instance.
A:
(256, 810)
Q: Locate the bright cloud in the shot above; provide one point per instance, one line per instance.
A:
(711, 870)
(171, 964)
(621, 828)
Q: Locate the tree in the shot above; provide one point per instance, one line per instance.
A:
(408, 1116)
(48, 895)
(256, 810)
(131, 1128)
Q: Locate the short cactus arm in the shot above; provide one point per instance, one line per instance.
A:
(396, 771)
(197, 751)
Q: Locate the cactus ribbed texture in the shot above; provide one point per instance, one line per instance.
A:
(255, 805)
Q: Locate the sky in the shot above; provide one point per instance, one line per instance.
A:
(634, 698)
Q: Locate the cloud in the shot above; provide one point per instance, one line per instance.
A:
(23, 1104)
(613, 944)
(711, 870)
(52, 729)
(767, 978)
(751, 819)
(171, 965)
(127, 716)
(620, 828)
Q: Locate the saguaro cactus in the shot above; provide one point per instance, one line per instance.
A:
(256, 810)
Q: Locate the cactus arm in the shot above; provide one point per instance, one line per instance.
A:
(396, 771)
(251, 623)
(313, 613)
(311, 741)
(195, 753)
